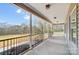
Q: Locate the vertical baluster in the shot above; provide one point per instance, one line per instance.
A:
(3, 47)
(13, 46)
(16, 46)
(10, 46)
(7, 46)
(0, 46)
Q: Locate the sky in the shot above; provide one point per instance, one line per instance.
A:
(12, 15)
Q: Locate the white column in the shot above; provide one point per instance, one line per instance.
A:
(30, 31)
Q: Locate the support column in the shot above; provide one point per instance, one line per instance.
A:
(30, 31)
(77, 23)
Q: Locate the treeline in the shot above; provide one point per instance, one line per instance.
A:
(7, 29)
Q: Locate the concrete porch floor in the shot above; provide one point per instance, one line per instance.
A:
(52, 46)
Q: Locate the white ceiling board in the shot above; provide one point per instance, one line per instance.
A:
(58, 10)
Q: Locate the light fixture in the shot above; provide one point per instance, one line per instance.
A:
(47, 6)
(55, 17)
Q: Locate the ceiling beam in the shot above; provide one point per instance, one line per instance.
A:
(31, 10)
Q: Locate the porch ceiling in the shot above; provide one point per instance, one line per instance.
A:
(58, 10)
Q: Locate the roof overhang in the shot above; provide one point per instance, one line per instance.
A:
(32, 10)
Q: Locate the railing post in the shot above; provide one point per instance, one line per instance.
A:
(30, 31)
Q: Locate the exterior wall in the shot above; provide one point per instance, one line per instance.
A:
(68, 32)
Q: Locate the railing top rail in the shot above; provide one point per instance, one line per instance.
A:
(16, 37)
(13, 38)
